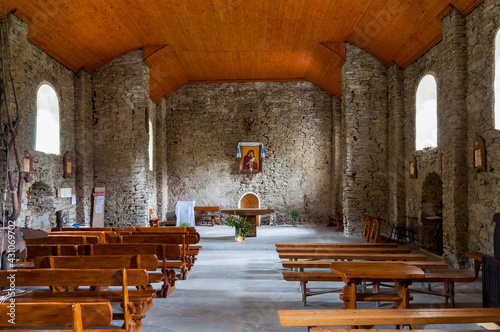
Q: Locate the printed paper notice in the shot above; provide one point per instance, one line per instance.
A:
(65, 192)
(98, 208)
(99, 200)
(73, 200)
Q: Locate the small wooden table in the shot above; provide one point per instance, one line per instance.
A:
(353, 273)
(251, 215)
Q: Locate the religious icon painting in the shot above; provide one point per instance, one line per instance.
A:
(251, 156)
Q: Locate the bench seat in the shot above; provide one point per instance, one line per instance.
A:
(372, 317)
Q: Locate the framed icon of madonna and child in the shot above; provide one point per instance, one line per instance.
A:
(251, 156)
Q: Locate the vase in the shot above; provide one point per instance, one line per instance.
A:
(238, 235)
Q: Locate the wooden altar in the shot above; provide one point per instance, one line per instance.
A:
(251, 215)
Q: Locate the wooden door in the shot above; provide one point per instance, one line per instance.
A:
(250, 201)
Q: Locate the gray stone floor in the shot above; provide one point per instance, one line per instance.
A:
(238, 286)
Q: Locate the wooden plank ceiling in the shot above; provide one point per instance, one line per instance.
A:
(188, 41)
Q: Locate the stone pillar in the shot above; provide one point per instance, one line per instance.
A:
(396, 163)
(84, 147)
(452, 137)
(364, 86)
(161, 158)
(337, 153)
(121, 96)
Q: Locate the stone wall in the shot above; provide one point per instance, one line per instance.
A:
(483, 188)
(364, 97)
(292, 119)
(31, 68)
(84, 146)
(121, 96)
(161, 160)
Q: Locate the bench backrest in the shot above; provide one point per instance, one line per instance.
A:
(162, 251)
(195, 236)
(102, 235)
(160, 238)
(73, 239)
(117, 230)
(74, 277)
(147, 262)
(47, 314)
(207, 208)
(51, 250)
(162, 229)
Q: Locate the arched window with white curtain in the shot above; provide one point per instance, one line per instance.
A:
(426, 114)
(151, 146)
(47, 120)
(496, 113)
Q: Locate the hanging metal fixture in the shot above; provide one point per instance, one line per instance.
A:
(9, 126)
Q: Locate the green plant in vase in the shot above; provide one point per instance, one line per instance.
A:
(295, 217)
(241, 226)
(184, 224)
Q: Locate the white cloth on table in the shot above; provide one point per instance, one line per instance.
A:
(184, 211)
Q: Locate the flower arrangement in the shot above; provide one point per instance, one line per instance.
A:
(241, 225)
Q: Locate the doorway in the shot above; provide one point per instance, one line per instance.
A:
(431, 232)
(250, 201)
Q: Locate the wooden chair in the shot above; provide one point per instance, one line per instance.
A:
(337, 219)
(153, 222)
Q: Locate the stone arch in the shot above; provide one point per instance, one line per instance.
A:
(250, 200)
(431, 231)
(42, 204)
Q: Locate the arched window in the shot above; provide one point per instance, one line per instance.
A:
(497, 81)
(150, 148)
(426, 114)
(47, 120)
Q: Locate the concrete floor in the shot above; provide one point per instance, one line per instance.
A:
(239, 286)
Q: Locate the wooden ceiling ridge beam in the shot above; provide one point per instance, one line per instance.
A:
(150, 50)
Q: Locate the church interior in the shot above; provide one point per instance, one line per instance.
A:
(195, 162)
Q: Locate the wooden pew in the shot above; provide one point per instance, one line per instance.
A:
(169, 258)
(375, 317)
(51, 250)
(185, 241)
(72, 239)
(146, 262)
(354, 256)
(337, 245)
(102, 235)
(133, 302)
(344, 250)
(425, 265)
(117, 230)
(211, 212)
(59, 315)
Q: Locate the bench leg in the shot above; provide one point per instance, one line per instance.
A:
(376, 289)
(477, 267)
(303, 286)
(449, 292)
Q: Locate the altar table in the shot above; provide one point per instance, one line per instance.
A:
(251, 215)
(353, 273)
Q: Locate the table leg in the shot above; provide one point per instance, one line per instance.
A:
(253, 229)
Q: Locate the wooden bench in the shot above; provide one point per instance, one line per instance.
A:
(337, 245)
(448, 279)
(169, 258)
(117, 230)
(376, 317)
(59, 316)
(70, 239)
(477, 257)
(282, 250)
(133, 301)
(210, 215)
(425, 265)
(353, 256)
(102, 235)
(146, 262)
